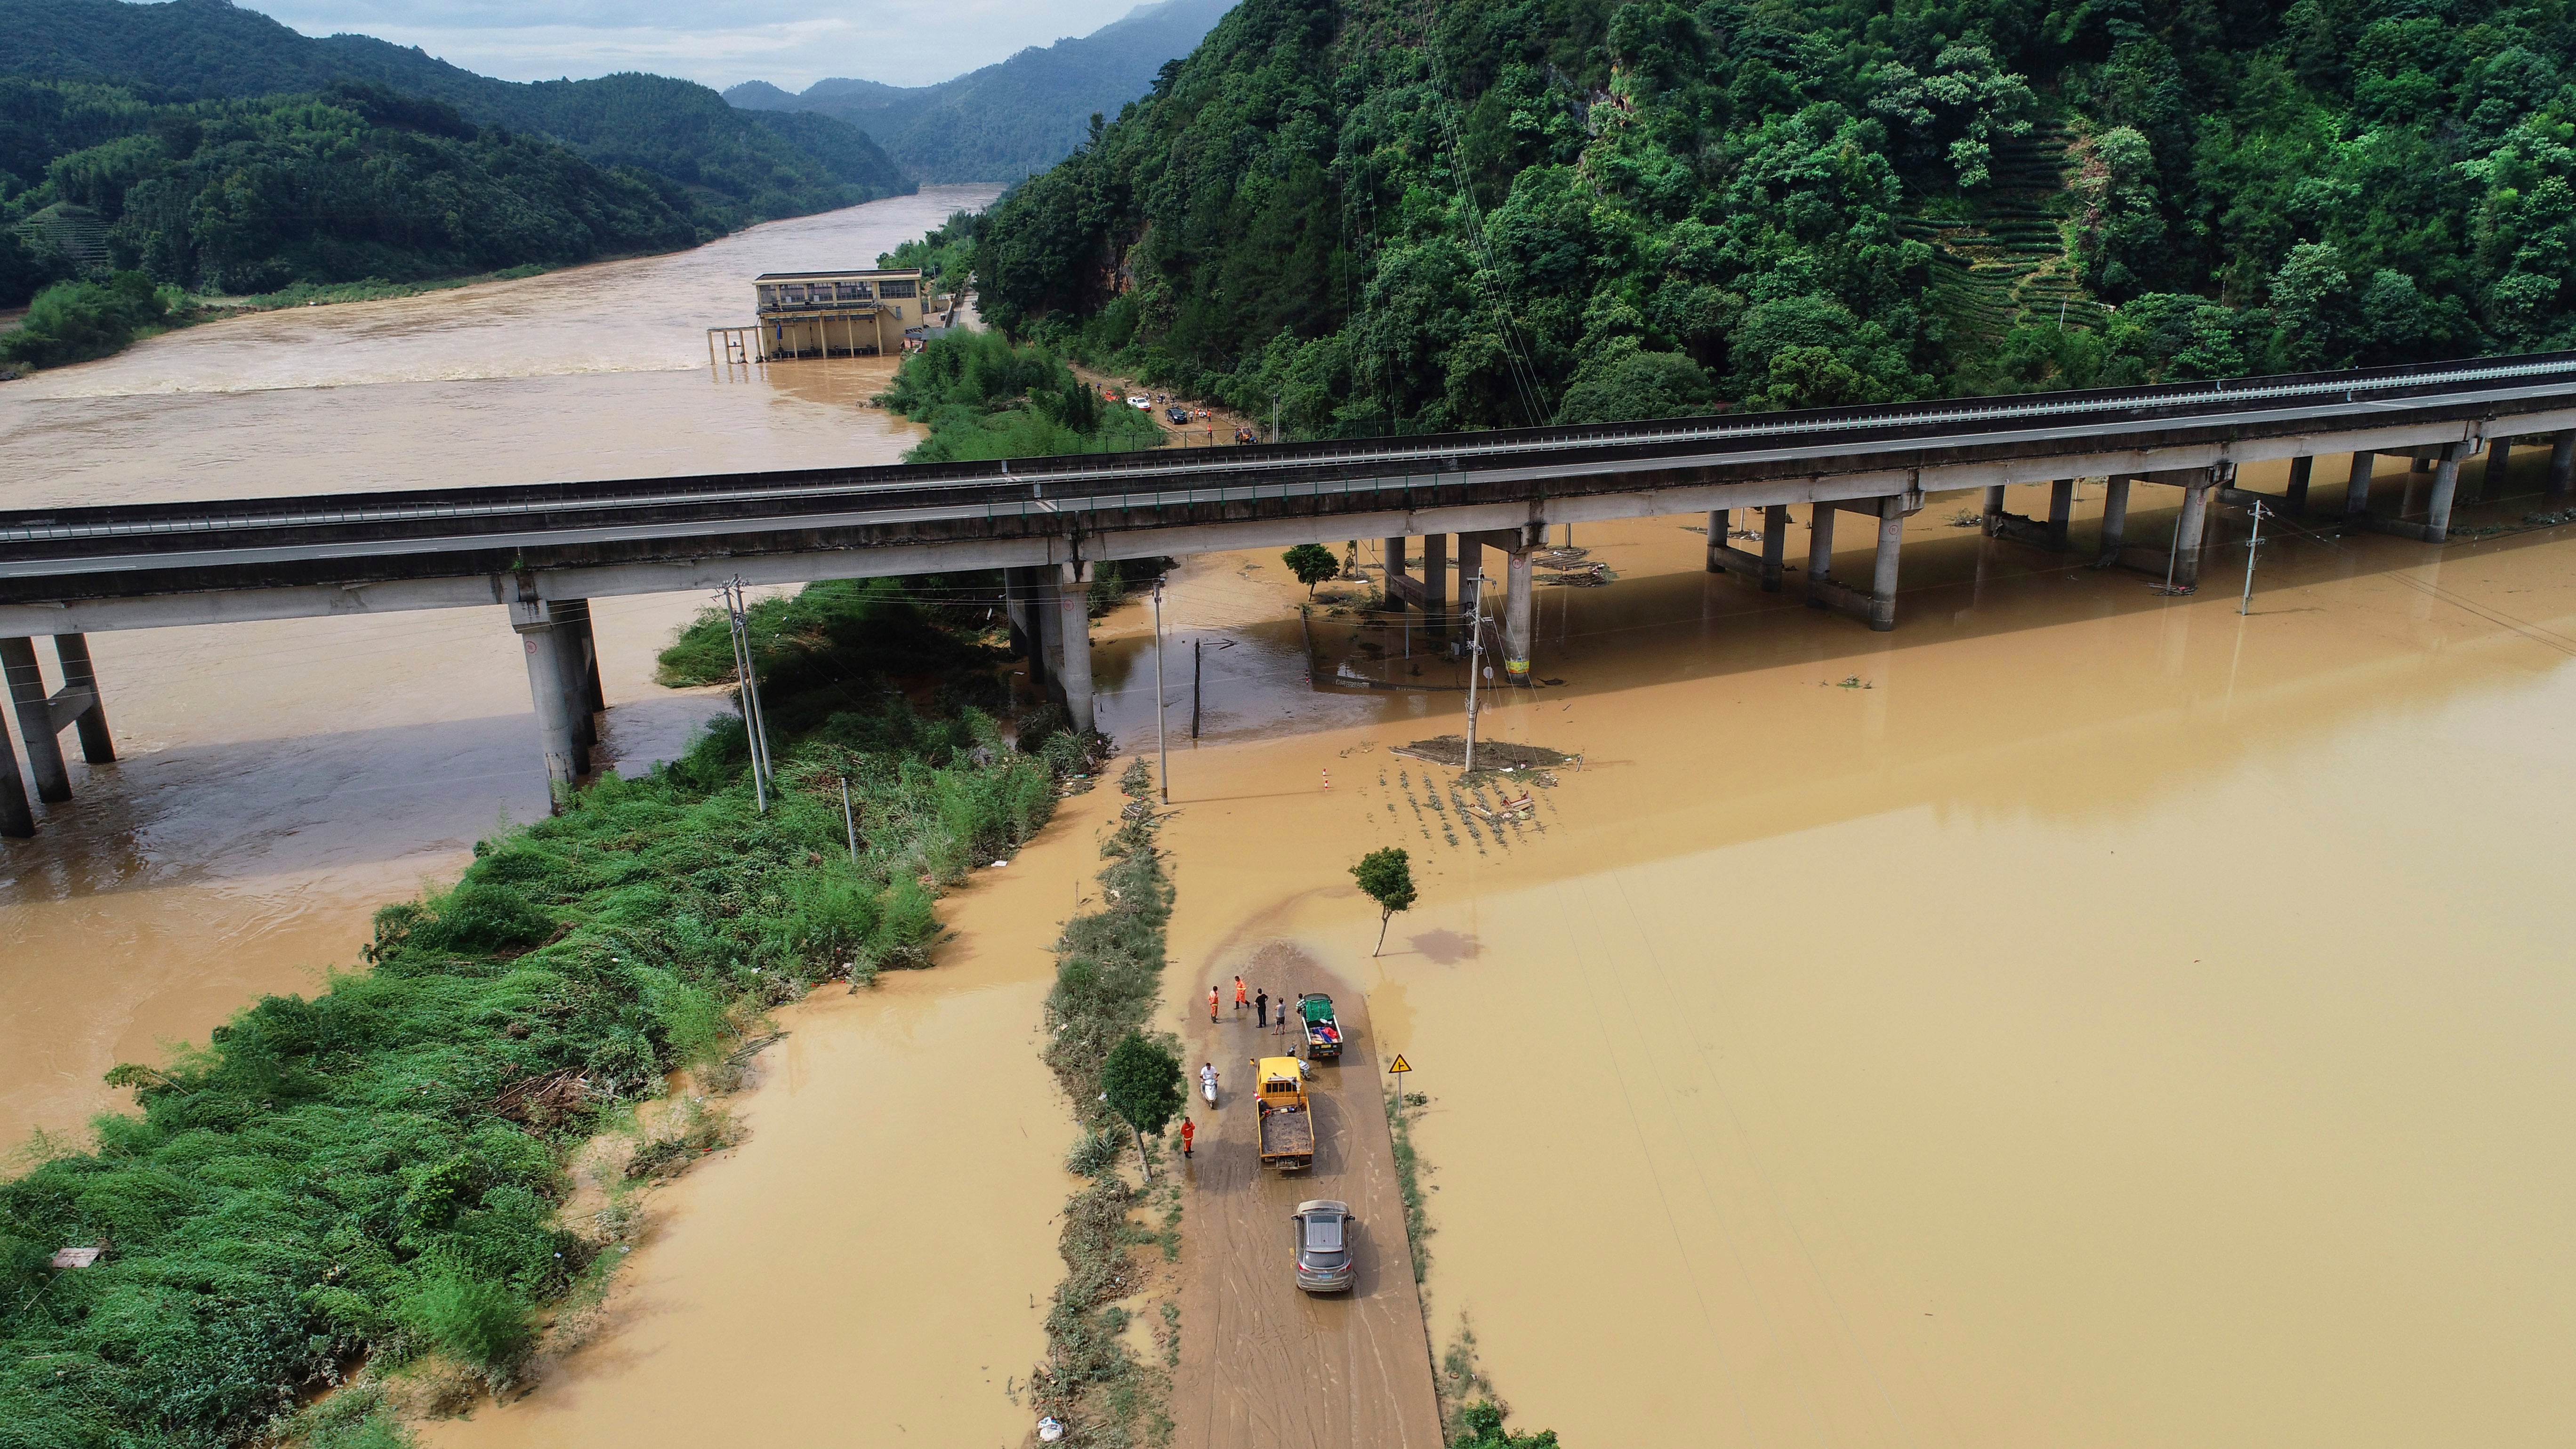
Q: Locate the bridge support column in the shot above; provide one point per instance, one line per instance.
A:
(2187, 535)
(2562, 463)
(1025, 596)
(17, 821)
(1716, 539)
(1393, 549)
(2356, 489)
(2115, 518)
(2491, 483)
(1471, 575)
(533, 620)
(1435, 584)
(1820, 552)
(1775, 545)
(37, 727)
(579, 667)
(1882, 582)
(1516, 615)
(1993, 512)
(2446, 485)
(79, 677)
(1073, 620)
(2296, 498)
(2061, 511)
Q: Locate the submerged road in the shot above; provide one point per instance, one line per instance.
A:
(1263, 1364)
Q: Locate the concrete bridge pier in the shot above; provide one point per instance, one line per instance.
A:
(583, 699)
(2356, 488)
(1398, 591)
(2188, 533)
(2295, 497)
(2562, 463)
(42, 718)
(551, 688)
(1820, 552)
(1073, 626)
(17, 820)
(1517, 613)
(2115, 518)
(2061, 511)
(1435, 584)
(2491, 482)
(1716, 539)
(1993, 512)
(1877, 607)
(2446, 486)
(1775, 546)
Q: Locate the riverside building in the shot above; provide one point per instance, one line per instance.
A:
(837, 314)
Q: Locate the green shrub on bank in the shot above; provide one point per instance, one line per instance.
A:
(377, 1170)
(982, 398)
(76, 321)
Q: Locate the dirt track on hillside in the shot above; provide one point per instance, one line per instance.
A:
(1263, 1364)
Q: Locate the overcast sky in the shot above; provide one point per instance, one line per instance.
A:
(791, 43)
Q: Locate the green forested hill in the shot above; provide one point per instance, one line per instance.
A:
(1016, 117)
(355, 182)
(1495, 212)
(735, 169)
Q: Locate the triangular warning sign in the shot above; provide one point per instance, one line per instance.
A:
(1399, 1064)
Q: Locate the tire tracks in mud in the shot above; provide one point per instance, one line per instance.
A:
(1263, 1363)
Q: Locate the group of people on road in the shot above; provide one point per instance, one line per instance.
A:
(1258, 1001)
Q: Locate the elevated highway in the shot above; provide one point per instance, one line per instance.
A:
(544, 550)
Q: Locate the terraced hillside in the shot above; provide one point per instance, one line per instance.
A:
(2002, 262)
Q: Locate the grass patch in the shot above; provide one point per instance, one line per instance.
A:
(1109, 967)
(1401, 1109)
(982, 397)
(356, 1179)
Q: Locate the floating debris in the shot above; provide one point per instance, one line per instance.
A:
(1490, 754)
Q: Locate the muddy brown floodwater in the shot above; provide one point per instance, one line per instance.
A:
(2078, 1017)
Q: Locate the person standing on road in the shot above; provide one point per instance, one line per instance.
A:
(1189, 1130)
(1240, 1000)
(1260, 1009)
(1211, 1006)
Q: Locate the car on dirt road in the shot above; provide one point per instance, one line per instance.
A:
(1178, 415)
(1322, 1229)
(1141, 403)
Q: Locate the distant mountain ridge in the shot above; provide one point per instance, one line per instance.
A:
(736, 166)
(1013, 118)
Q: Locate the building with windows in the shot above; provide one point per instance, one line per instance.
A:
(838, 314)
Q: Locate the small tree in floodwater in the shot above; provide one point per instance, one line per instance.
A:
(1142, 1080)
(1387, 878)
(1312, 563)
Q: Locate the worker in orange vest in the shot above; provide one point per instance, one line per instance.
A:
(1211, 1005)
(1189, 1130)
(1240, 1000)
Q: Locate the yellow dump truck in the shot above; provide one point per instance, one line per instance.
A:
(1287, 1119)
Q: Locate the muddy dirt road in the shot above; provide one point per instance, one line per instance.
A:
(1263, 1363)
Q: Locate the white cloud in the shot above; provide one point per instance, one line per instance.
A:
(791, 44)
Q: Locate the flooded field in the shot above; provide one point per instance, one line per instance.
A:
(2079, 1017)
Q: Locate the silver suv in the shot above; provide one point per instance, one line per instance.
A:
(1322, 1230)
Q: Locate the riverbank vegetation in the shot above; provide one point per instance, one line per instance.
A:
(1508, 212)
(338, 1185)
(1109, 971)
(983, 396)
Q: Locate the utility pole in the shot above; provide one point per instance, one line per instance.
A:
(849, 820)
(1195, 654)
(1475, 657)
(1274, 417)
(1161, 746)
(748, 699)
(2245, 605)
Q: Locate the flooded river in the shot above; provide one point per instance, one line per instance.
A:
(2080, 1017)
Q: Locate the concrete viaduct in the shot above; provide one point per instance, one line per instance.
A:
(544, 550)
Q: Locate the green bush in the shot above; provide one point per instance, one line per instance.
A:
(480, 1322)
(76, 321)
